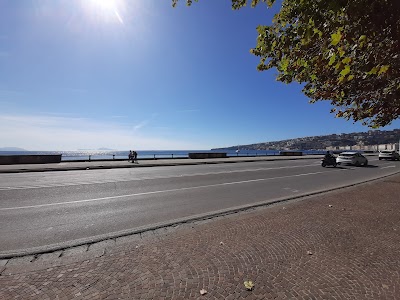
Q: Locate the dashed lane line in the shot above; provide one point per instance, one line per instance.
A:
(388, 167)
(88, 182)
(158, 192)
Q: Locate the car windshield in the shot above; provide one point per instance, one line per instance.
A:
(347, 154)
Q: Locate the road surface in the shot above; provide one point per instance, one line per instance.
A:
(39, 209)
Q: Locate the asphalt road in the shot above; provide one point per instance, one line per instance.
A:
(39, 209)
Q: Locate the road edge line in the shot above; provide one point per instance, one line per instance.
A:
(196, 218)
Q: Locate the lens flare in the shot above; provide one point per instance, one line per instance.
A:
(106, 5)
(106, 10)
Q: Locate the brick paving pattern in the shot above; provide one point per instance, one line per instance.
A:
(341, 245)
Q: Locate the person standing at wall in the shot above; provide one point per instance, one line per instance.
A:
(130, 156)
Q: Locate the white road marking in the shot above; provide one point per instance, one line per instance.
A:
(388, 167)
(156, 192)
(37, 186)
(88, 182)
(291, 190)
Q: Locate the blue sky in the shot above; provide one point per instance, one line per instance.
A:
(134, 74)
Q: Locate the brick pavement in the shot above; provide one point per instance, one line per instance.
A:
(341, 245)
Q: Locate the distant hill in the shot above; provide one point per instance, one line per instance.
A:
(372, 137)
(12, 149)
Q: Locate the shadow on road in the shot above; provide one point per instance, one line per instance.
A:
(358, 167)
(350, 167)
(334, 168)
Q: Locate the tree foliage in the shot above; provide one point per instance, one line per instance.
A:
(343, 51)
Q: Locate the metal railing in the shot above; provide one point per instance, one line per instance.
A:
(111, 157)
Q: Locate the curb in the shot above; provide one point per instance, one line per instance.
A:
(174, 223)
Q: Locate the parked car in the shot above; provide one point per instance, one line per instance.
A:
(352, 158)
(389, 154)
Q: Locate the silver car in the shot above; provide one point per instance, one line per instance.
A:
(352, 158)
(389, 154)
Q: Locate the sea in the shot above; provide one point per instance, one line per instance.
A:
(146, 154)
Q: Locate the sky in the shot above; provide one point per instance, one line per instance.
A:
(134, 74)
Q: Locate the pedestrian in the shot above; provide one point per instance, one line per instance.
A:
(130, 156)
(135, 156)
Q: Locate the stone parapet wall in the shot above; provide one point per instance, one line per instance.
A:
(195, 155)
(29, 159)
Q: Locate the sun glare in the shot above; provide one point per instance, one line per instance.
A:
(106, 10)
(106, 5)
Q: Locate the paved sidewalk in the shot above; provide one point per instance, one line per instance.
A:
(111, 164)
(341, 245)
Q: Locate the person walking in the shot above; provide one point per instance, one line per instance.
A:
(135, 156)
(130, 156)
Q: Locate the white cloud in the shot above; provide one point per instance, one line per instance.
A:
(140, 125)
(43, 132)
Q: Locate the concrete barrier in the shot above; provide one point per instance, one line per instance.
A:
(291, 153)
(207, 155)
(29, 159)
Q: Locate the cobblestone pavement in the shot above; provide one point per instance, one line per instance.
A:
(341, 245)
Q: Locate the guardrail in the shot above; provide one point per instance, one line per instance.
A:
(119, 158)
(113, 157)
(152, 157)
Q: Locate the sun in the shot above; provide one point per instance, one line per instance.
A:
(106, 10)
(105, 5)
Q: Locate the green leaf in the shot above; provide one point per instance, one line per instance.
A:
(374, 70)
(362, 38)
(312, 90)
(270, 2)
(345, 71)
(332, 59)
(335, 38)
(317, 31)
(383, 69)
(346, 60)
(350, 77)
(284, 64)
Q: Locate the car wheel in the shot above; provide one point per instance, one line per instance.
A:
(357, 163)
(380, 158)
(366, 163)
